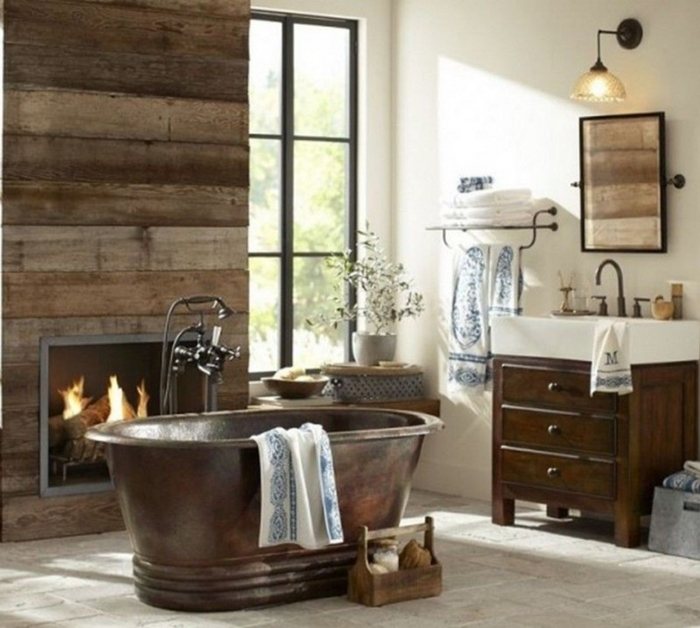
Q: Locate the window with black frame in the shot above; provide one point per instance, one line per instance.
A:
(303, 180)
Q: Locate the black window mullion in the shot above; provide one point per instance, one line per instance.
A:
(287, 270)
(352, 166)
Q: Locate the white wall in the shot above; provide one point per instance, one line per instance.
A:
(375, 91)
(481, 87)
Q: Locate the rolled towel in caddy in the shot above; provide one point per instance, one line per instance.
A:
(298, 498)
(692, 467)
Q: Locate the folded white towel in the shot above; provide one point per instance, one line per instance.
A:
(519, 218)
(692, 467)
(298, 499)
(489, 211)
(492, 197)
(610, 366)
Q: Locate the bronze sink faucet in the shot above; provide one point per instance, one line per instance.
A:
(621, 309)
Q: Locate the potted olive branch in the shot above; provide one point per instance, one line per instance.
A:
(385, 297)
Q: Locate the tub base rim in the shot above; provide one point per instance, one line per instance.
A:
(244, 583)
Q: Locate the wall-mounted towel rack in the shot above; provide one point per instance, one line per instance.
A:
(552, 226)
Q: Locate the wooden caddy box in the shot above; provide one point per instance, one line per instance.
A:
(365, 587)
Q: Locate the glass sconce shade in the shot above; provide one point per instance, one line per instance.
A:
(599, 85)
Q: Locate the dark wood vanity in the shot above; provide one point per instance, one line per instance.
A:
(555, 444)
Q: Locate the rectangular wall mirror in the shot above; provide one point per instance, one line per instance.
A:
(623, 196)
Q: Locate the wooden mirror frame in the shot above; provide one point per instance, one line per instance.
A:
(622, 183)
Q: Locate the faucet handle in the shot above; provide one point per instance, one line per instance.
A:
(603, 307)
(637, 308)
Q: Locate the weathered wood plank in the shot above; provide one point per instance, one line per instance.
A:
(70, 203)
(156, 75)
(123, 161)
(20, 341)
(20, 385)
(32, 249)
(32, 517)
(20, 428)
(228, 400)
(224, 8)
(123, 28)
(46, 295)
(107, 116)
(21, 473)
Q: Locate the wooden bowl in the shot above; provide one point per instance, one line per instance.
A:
(294, 388)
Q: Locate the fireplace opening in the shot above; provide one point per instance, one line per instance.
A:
(87, 380)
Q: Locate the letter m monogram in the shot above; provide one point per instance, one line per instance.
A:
(610, 357)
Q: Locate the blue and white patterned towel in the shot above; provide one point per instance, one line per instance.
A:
(469, 343)
(298, 498)
(505, 281)
(683, 481)
(487, 284)
(469, 184)
(610, 364)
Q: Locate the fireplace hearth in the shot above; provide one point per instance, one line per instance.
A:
(86, 380)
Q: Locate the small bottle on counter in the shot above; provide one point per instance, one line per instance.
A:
(677, 299)
(387, 554)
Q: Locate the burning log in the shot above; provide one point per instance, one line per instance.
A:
(57, 431)
(96, 413)
(67, 431)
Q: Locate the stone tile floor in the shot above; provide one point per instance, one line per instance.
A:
(540, 572)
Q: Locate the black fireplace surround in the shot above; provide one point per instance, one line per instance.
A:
(63, 361)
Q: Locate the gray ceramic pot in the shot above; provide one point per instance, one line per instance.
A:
(369, 349)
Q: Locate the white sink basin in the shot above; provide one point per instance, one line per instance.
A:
(571, 338)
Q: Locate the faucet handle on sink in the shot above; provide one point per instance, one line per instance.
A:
(603, 307)
(637, 308)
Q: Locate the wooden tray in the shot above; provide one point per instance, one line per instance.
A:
(365, 587)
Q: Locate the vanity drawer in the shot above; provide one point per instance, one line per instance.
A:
(567, 432)
(588, 477)
(553, 388)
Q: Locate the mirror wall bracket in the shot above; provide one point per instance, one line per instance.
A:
(677, 181)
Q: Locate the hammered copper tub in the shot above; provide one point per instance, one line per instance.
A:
(189, 491)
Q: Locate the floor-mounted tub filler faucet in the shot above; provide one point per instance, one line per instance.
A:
(621, 309)
(208, 354)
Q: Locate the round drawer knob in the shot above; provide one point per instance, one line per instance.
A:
(553, 387)
(553, 472)
(554, 430)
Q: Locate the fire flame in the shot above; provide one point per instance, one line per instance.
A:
(116, 400)
(73, 401)
(142, 408)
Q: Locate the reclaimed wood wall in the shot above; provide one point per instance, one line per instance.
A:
(125, 174)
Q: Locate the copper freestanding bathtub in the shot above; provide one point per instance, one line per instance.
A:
(189, 491)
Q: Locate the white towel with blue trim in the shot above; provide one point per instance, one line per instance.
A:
(487, 284)
(610, 365)
(298, 498)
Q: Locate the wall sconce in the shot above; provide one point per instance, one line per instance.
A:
(599, 85)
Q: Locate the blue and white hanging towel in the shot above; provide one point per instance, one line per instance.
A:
(487, 284)
(505, 281)
(298, 501)
(610, 365)
(469, 345)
